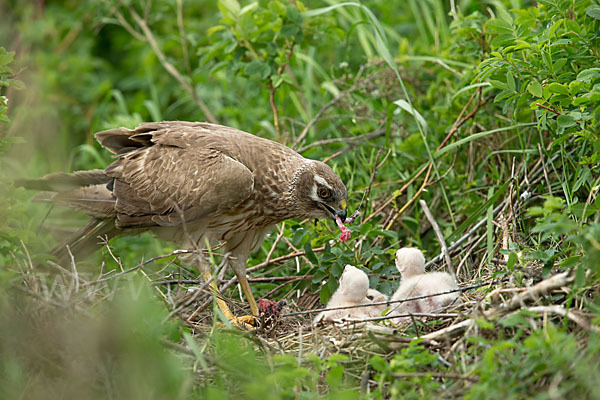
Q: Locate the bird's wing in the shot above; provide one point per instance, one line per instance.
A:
(167, 175)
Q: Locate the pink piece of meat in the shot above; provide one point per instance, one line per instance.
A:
(345, 232)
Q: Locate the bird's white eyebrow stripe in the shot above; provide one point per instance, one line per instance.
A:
(322, 181)
(313, 194)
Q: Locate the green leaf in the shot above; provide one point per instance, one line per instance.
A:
(15, 84)
(535, 88)
(257, 67)
(484, 324)
(310, 254)
(289, 30)
(588, 98)
(535, 211)
(325, 294)
(335, 376)
(230, 47)
(498, 84)
(499, 25)
(514, 319)
(547, 59)
(231, 5)
(403, 104)
(510, 80)
(556, 87)
(299, 236)
(558, 65)
(573, 26)
(378, 363)
(153, 109)
(593, 11)
(553, 203)
(566, 121)
(214, 29)
(6, 57)
(570, 261)
(479, 135)
(250, 7)
(502, 96)
(332, 284)
(521, 44)
(293, 14)
(512, 260)
(542, 255)
(230, 10)
(587, 75)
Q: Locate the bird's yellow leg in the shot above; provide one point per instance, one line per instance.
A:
(248, 293)
(245, 322)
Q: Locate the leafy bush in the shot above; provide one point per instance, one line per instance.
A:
(544, 59)
(545, 364)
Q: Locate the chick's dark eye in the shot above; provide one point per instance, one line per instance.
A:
(324, 193)
(370, 297)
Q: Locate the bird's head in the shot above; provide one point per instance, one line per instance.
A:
(354, 283)
(410, 262)
(375, 296)
(320, 193)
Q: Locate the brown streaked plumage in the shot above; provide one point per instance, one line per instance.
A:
(191, 181)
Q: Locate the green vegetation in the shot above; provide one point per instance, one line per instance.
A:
(481, 109)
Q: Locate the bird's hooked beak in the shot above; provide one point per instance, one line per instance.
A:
(342, 212)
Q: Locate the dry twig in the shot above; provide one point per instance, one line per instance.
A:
(440, 236)
(554, 282)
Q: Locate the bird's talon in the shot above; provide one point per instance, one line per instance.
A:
(247, 322)
(247, 319)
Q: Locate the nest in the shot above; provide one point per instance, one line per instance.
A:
(483, 306)
(294, 330)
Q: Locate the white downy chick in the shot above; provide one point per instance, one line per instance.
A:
(415, 282)
(352, 291)
(375, 296)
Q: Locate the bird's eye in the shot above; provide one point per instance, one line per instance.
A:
(370, 297)
(324, 193)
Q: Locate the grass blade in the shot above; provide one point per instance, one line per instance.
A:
(479, 135)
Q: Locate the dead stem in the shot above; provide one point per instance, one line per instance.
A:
(439, 235)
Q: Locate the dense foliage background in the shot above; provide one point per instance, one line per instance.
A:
(486, 110)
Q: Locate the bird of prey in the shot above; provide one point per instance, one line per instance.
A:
(195, 184)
